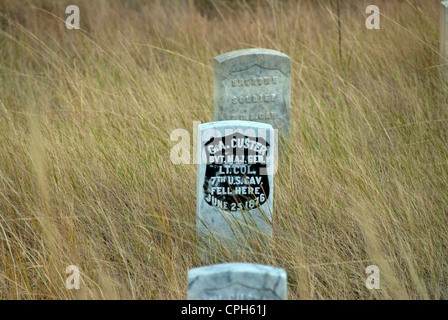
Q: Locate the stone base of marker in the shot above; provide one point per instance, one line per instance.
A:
(237, 281)
(249, 240)
(235, 190)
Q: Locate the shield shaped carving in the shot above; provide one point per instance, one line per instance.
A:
(235, 175)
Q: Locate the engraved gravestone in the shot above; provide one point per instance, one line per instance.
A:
(444, 39)
(237, 281)
(234, 187)
(253, 85)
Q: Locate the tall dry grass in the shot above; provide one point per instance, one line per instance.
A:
(85, 122)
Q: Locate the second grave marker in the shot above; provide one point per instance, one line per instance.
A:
(253, 85)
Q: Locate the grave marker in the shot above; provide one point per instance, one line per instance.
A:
(237, 281)
(234, 187)
(253, 85)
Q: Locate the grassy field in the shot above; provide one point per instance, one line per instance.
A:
(85, 123)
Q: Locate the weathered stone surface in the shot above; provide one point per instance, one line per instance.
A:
(234, 187)
(253, 85)
(444, 39)
(237, 281)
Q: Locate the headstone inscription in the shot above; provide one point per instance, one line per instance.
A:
(237, 281)
(444, 39)
(234, 187)
(253, 85)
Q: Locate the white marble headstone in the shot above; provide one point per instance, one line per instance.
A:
(234, 186)
(237, 281)
(253, 85)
